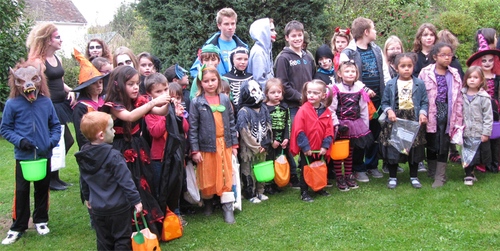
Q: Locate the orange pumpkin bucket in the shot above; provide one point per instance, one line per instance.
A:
(339, 149)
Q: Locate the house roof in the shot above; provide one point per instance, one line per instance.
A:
(63, 11)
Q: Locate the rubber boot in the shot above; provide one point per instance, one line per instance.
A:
(209, 207)
(54, 183)
(228, 213)
(431, 168)
(440, 176)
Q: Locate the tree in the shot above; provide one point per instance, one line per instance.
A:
(179, 28)
(128, 23)
(13, 34)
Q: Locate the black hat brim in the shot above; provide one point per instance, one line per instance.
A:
(88, 82)
(480, 54)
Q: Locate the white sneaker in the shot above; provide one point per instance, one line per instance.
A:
(12, 236)
(262, 197)
(254, 200)
(42, 228)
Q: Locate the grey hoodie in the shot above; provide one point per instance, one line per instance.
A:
(260, 62)
(477, 113)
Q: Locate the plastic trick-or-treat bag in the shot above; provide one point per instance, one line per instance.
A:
(403, 134)
(469, 150)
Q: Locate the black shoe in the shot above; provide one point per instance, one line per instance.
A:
(64, 183)
(269, 190)
(55, 186)
(305, 197)
(323, 193)
(276, 188)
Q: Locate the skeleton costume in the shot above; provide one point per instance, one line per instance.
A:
(254, 126)
(236, 77)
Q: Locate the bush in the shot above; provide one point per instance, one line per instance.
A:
(13, 34)
(71, 71)
(464, 27)
(179, 28)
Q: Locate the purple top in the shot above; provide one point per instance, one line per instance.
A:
(442, 90)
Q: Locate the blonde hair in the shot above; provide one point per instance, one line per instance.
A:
(39, 39)
(327, 101)
(340, 33)
(273, 82)
(445, 36)
(226, 12)
(391, 40)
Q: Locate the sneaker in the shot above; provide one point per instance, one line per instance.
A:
(361, 176)
(269, 190)
(42, 228)
(469, 181)
(415, 183)
(323, 193)
(385, 169)
(349, 180)
(12, 236)
(294, 182)
(375, 173)
(305, 197)
(341, 184)
(329, 184)
(421, 167)
(401, 170)
(254, 200)
(262, 197)
(393, 183)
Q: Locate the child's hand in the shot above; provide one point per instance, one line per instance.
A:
(484, 138)
(179, 109)
(87, 203)
(235, 152)
(308, 153)
(391, 115)
(322, 151)
(261, 149)
(276, 144)
(162, 100)
(371, 93)
(197, 158)
(284, 144)
(422, 119)
(138, 207)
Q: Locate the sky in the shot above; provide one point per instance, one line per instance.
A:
(99, 12)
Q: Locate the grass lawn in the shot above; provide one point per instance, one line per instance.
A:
(453, 217)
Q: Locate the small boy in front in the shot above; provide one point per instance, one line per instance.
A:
(106, 182)
(374, 73)
(294, 66)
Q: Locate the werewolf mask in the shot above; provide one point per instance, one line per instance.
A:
(27, 81)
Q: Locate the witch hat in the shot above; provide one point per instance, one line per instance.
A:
(483, 50)
(88, 73)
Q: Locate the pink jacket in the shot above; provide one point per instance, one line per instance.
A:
(456, 117)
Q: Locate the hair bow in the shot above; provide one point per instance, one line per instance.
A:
(200, 71)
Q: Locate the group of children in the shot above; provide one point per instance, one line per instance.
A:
(231, 118)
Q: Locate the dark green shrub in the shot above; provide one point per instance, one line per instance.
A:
(13, 34)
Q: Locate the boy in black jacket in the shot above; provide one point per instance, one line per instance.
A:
(106, 183)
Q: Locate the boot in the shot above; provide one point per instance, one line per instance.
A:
(228, 213)
(431, 168)
(440, 176)
(54, 183)
(209, 207)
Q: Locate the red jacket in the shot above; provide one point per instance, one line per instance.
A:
(316, 128)
(158, 132)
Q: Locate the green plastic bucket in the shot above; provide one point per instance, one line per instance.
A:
(264, 171)
(34, 170)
